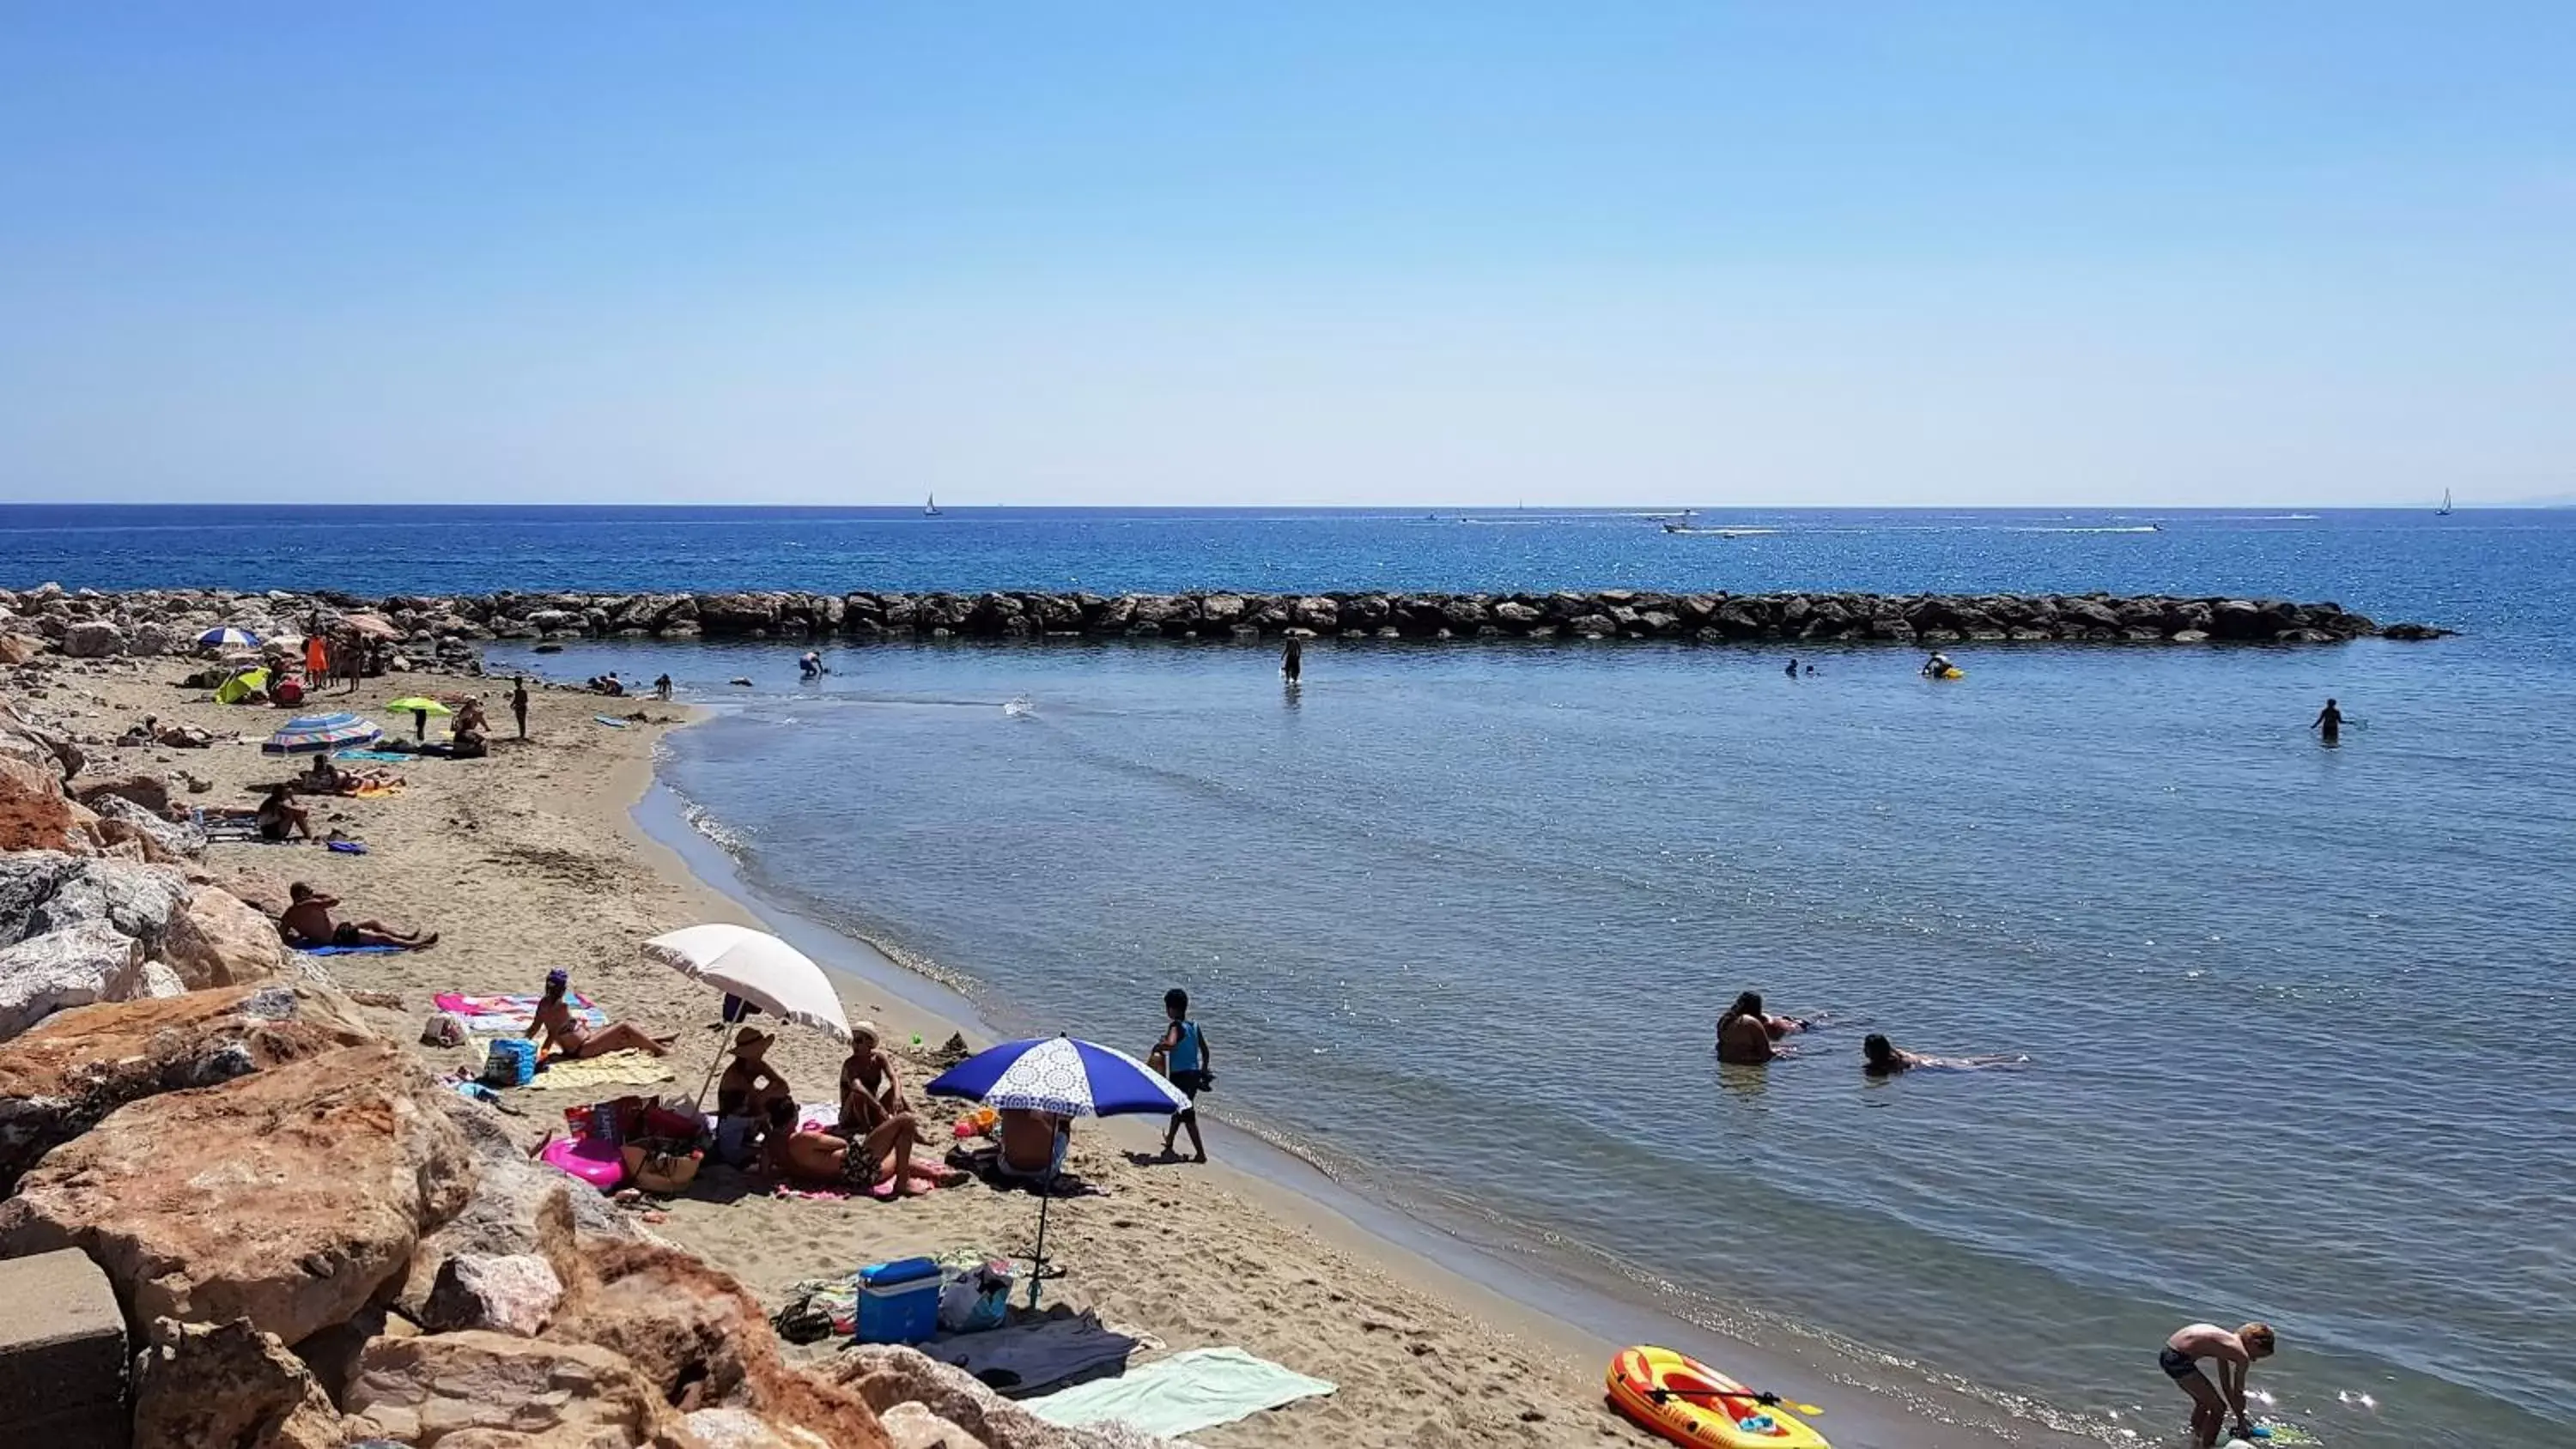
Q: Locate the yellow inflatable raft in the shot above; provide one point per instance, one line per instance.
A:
(1688, 1402)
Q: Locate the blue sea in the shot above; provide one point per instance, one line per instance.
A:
(1459, 918)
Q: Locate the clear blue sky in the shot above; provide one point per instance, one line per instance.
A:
(2002, 252)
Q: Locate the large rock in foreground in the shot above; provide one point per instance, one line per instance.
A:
(216, 940)
(228, 1385)
(290, 1197)
(490, 1389)
(60, 1079)
(75, 966)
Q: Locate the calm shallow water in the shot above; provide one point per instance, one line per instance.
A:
(1460, 918)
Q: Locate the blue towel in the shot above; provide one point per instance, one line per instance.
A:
(387, 756)
(349, 950)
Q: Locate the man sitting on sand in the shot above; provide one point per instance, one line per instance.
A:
(1029, 1144)
(307, 923)
(2234, 1353)
(280, 817)
(556, 1030)
(878, 1163)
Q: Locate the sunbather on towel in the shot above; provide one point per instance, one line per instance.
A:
(878, 1163)
(1027, 1141)
(557, 1031)
(308, 922)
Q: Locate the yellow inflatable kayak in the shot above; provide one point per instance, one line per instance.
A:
(1953, 672)
(1688, 1402)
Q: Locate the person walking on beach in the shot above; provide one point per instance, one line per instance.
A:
(1183, 1056)
(2234, 1353)
(2328, 724)
(519, 703)
(1292, 660)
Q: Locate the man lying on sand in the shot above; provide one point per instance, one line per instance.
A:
(556, 1030)
(2234, 1353)
(307, 923)
(878, 1162)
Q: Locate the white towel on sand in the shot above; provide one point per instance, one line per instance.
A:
(1197, 1389)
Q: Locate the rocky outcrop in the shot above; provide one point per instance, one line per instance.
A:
(491, 1389)
(44, 891)
(68, 1073)
(231, 1385)
(164, 841)
(216, 940)
(35, 814)
(888, 1377)
(501, 1292)
(692, 1329)
(93, 639)
(446, 629)
(76, 966)
(291, 1197)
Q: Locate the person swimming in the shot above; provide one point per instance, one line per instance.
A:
(1936, 666)
(1792, 670)
(2329, 723)
(1880, 1057)
(1745, 1035)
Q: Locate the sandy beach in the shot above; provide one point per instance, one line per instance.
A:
(533, 859)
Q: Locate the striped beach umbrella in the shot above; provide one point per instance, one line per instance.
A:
(307, 733)
(228, 637)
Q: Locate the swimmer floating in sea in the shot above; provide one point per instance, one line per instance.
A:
(1880, 1057)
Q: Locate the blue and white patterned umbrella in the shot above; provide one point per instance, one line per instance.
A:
(1068, 1078)
(228, 637)
(306, 733)
(1060, 1075)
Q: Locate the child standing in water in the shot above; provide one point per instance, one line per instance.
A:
(2233, 1353)
(1183, 1056)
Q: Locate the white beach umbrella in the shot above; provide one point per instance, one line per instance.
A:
(759, 968)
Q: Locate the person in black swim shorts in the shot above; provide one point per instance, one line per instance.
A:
(2233, 1353)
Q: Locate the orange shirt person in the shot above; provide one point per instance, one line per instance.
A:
(317, 661)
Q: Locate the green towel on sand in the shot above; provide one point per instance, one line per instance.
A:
(1198, 1389)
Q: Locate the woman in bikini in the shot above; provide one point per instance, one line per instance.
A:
(558, 1031)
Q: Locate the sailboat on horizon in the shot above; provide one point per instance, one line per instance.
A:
(2445, 510)
(930, 506)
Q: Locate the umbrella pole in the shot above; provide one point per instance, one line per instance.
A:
(1037, 1262)
(698, 1102)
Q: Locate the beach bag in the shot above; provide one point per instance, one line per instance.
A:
(444, 1029)
(512, 1062)
(975, 1297)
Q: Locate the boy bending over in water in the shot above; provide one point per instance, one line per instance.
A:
(2234, 1353)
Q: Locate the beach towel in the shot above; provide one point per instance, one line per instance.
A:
(608, 1069)
(377, 791)
(615, 724)
(389, 757)
(349, 950)
(511, 1015)
(1198, 1389)
(1029, 1358)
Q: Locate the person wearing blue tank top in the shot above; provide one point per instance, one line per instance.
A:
(1183, 1056)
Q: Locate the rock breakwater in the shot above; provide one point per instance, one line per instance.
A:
(88, 623)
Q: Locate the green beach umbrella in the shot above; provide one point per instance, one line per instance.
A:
(420, 707)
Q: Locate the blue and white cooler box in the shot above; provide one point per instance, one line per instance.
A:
(899, 1301)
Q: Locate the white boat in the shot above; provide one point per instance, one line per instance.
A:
(2445, 510)
(930, 506)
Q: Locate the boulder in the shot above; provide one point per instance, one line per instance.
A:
(218, 940)
(504, 1292)
(35, 814)
(19, 649)
(93, 639)
(290, 1197)
(2415, 633)
(517, 1207)
(911, 1426)
(227, 1385)
(45, 891)
(59, 1079)
(1316, 612)
(150, 791)
(743, 1429)
(75, 966)
(165, 842)
(490, 1389)
(687, 1326)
